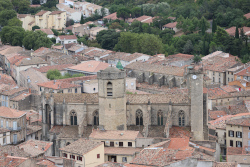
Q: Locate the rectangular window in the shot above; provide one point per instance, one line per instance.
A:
(231, 143)
(79, 158)
(112, 144)
(14, 125)
(72, 156)
(75, 90)
(65, 155)
(6, 104)
(7, 124)
(238, 134)
(3, 97)
(1, 123)
(238, 144)
(6, 97)
(248, 135)
(98, 155)
(120, 144)
(130, 144)
(15, 138)
(231, 133)
(4, 140)
(124, 159)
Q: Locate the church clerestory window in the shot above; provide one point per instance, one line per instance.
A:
(96, 118)
(109, 89)
(160, 117)
(181, 118)
(73, 118)
(139, 117)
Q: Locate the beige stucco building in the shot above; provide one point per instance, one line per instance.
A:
(28, 21)
(88, 153)
(4, 136)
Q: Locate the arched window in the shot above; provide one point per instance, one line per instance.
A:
(109, 89)
(160, 117)
(96, 118)
(139, 117)
(181, 118)
(73, 118)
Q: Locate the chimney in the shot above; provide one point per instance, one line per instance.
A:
(29, 90)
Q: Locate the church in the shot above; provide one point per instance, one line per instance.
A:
(113, 109)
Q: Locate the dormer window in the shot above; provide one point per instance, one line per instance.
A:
(109, 89)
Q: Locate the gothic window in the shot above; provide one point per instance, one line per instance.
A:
(109, 89)
(160, 117)
(96, 118)
(73, 118)
(181, 118)
(139, 117)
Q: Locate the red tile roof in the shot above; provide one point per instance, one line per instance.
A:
(11, 161)
(67, 37)
(90, 66)
(41, 13)
(234, 150)
(46, 163)
(216, 114)
(179, 143)
(170, 25)
(112, 16)
(56, 12)
(244, 72)
(57, 85)
(229, 88)
(239, 122)
(46, 31)
(247, 15)
(231, 30)
(10, 113)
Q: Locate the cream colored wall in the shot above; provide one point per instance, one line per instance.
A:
(131, 83)
(42, 21)
(57, 21)
(90, 159)
(26, 22)
(89, 88)
(235, 138)
(119, 158)
(245, 159)
(7, 138)
(116, 142)
(245, 137)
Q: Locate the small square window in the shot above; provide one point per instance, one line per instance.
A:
(120, 144)
(231, 143)
(112, 144)
(130, 144)
(124, 159)
(98, 155)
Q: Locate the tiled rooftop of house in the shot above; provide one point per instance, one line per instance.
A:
(228, 88)
(115, 135)
(56, 12)
(14, 90)
(22, 96)
(64, 59)
(97, 53)
(33, 129)
(6, 79)
(179, 132)
(67, 37)
(11, 161)
(231, 30)
(30, 61)
(10, 113)
(35, 147)
(57, 85)
(13, 150)
(144, 66)
(112, 16)
(46, 163)
(10, 49)
(170, 25)
(41, 51)
(225, 164)
(239, 122)
(60, 67)
(41, 13)
(46, 31)
(247, 104)
(247, 15)
(82, 146)
(244, 72)
(216, 114)
(90, 66)
(111, 164)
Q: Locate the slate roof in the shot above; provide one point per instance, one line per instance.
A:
(82, 146)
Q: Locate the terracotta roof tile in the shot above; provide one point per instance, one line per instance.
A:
(13, 150)
(14, 91)
(46, 31)
(35, 147)
(11, 161)
(56, 12)
(170, 25)
(10, 113)
(228, 88)
(231, 30)
(6, 79)
(57, 85)
(20, 97)
(244, 72)
(41, 13)
(114, 135)
(90, 66)
(178, 143)
(62, 37)
(234, 150)
(216, 114)
(247, 15)
(82, 146)
(112, 16)
(64, 59)
(30, 61)
(239, 122)
(46, 163)
(225, 164)
(33, 128)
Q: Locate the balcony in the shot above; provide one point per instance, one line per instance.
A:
(40, 17)
(16, 129)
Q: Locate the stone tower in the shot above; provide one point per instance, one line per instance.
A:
(112, 99)
(195, 88)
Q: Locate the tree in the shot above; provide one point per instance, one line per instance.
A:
(82, 20)
(108, 39)
(115, 25)
(56, 33)
(237, 33)
(214, 26)
(136, 12)
(203, 25)
(23, 6)
(188, 47)
(5, 16)
(13, 35)
(5, 5)
(103, 12)
(35, 2)
(69, 22)
(83, 40)
(35, 27)
(36, 39)
(50, 3)
(221, 38)
(53, 74)
(15, 22)
(197, 59)
(123, 13)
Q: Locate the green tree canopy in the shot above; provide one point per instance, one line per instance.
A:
(5, 16)
(82, 21)
(123, 13)
(35, 27)
(15, 22)
(136, 12)
(5, 5)
(36, 39)
(13, 35)
(108, 38)
(53, 74)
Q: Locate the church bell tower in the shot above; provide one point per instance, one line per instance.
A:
(112, 99)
